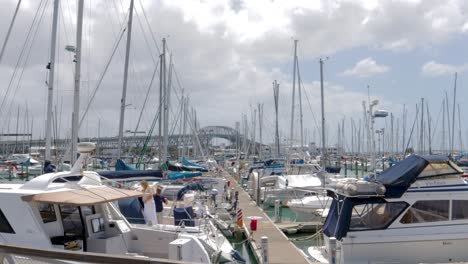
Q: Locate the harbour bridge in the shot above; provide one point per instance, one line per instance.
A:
(205, 137)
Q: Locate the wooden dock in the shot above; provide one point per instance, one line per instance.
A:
(280, 249)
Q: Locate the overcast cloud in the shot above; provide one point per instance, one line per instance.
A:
(226, 55)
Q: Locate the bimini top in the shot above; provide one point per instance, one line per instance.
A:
(84, 196)
(398, 179)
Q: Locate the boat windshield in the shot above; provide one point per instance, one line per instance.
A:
(301, 170)
(360, 214)
(372, 216)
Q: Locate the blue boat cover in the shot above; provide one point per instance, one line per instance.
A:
(174, 175)
(398, 179)
(184, 214)
(132, 210)
(131, 174)
(186, 162)
(120, 165)
(338, 219)
(192, 186)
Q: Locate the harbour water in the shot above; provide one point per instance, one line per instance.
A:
(301, 240)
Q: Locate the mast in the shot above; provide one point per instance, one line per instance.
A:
(324, 150)
(403, 150)
(299, 86)
(76, 92)
(443, 125)
(50, 82)
(291, 133)
(125, 80)
(421, 140)
(447, 105)
(17, 127)
(260, 127)
(429, 129)
(276, 97)
(459, 129)
(453, 114)
(392, 149)
(167, 95)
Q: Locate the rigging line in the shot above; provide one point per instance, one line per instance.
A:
(9, 30)
(18, 86)
(149, 27)
(145, 38)
(146, 99)
(139, 85)
(310, 107)
(21, 55)
(116, 46)
(176, 121)
(66, 37)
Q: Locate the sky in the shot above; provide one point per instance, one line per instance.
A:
(227, 53)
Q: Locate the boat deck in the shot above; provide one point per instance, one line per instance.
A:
(280, 249)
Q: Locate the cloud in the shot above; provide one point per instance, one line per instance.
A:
(366, 68)
(226, 53)
(433, 68)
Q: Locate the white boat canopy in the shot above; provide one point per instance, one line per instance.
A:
(81, 197)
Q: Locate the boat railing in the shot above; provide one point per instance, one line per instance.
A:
(21, 254)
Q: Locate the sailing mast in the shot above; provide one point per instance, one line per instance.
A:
(453, 115)
(276, 97)
(291, 133)
(299, 86)
(125, 80)
(324, 150)
(50, 82)
(76, 93)
(166, 97)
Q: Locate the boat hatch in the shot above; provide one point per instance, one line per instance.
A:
(88, 196)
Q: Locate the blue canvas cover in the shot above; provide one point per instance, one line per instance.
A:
(398, 179)
(132, 210)
(186, 162)
(339, 216)
(180, 167)
(184, 214)
(120, 165)
(131, 174)
(174, 175)
(192, 186)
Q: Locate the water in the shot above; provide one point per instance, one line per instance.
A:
(244, 249)
(302, 241)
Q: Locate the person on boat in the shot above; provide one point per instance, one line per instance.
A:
(49, 167)
(159, 200)
(149, 208)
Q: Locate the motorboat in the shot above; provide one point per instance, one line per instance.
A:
(82, 216)
(305, 207)
(413, 212)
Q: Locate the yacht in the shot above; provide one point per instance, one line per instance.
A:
(83, 216)
(413, 212)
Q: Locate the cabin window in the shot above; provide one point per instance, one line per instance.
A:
(5, 226)
(71, 219)
(47, 212)
(427, 211)
(375, 215)
(459, 209)
(434, 169)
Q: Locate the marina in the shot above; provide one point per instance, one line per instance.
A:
(233, 132)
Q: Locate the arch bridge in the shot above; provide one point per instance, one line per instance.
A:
(9, 144)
